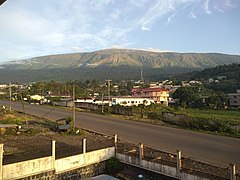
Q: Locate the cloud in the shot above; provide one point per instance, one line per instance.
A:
(224, 5)
(121, 46)
(78, 49)
(150, 49)
(138, 3)
(170, 18)
(32, 28)
(100, 3)
(144, 28)
(164, 9)
(218, 9)
(193, 15)
(157, 10)
(206, 7)
(117, 47)
(59, 26)
(155, 50)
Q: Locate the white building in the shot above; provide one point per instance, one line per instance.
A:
(131, 101)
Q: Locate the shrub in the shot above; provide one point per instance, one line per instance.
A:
(113, 166)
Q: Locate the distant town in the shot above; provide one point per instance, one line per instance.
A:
(123, 93)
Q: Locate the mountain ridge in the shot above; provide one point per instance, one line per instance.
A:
(126, 57)
(118, 64)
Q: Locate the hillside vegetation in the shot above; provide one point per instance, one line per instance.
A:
(119, 64)
(229, 82)
(232, 71)
(125, 57)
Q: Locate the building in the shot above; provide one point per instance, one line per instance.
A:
(158, 95)
(234, 99)
(37, 99)
(130, 101)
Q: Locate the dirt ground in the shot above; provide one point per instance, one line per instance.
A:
(36, 142)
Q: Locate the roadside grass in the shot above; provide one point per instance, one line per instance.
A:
(11, 118)
(227, 116)
(219, 122)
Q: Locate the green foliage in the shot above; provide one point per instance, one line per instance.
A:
(200, 97)
(232, 71)
(113, 166)
(156, 66)
(216, 101)
(154, 115)
(11, 120)
(206, 125)
(32, 132)
(230, 84)
(153, 111)
(186, 95)
(227, 116)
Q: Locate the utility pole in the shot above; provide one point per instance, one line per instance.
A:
(20, 95)
(109, 98)
(102, 103)
(10, 97)
(74, 110)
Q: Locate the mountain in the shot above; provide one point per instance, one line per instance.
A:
(115, 63)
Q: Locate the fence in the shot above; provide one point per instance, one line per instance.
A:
(50, 164)
(169, 164)
(172, 164)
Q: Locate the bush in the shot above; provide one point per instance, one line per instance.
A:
(206, 125)
(154, 115)
(11, 121)
(113, 166)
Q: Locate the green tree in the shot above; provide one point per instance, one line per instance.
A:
(185, 95)
(216, 101)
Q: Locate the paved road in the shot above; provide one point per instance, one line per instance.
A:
(216, 149)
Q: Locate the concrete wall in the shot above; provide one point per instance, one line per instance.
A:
(191, 177)
(162, 169)
(77, 161)
(84, 172)
(157, 168)
(26, 168)
(48, 165)
(175, 118)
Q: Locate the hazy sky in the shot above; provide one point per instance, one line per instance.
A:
(39, 27)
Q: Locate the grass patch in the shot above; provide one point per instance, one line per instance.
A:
(222, 122)
(11, 119)
(228, 116)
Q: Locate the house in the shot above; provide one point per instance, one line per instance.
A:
(37, 99)
(3, 86)
(130, 101)
(158, 95)
(234, 99)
